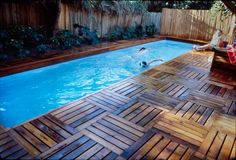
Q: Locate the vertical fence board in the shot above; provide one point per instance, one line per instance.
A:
(32, 14)
(194, 24)
(190, 24)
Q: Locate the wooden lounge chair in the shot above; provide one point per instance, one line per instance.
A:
(221, 61)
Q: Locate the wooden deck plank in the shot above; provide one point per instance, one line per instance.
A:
(17, 155)
(7, 146)
(216, 145)
(137, 111)
(233, 151)
(32, 139)
(64, 109)
(157, 149)
(55, 127)
(227, 147)
(141, 142)
(78, 114)
(51, 133)
(72, 110)
(10, 152)
(69, 148)
(102, 141)
(179, 152)
(86, 117)
(67, 143)
(107, 137)
(39, 134)
(89, 153)
(101, 154)
(147, 148)
(64, 126)
(127, 123)
(169, 149)
(27, 146)
(114, 134)
(80, 150)
(119, 129)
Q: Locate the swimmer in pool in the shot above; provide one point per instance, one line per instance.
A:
(145, 64)
(142, 51)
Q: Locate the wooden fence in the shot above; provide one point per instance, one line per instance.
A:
(25, 14)
(32, 14)
(190, 24)
(102, 22)
(195, 24)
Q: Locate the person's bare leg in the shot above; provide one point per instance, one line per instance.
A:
(204, 47)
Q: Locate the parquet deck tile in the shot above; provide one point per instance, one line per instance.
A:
(182, 128)
(114, 132)
(10, 149)
(78, 146)
(196, 113)
(141, 113)
(156, 144)
(178, 110)
(217, 145)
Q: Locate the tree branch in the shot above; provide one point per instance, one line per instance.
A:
(230, 5)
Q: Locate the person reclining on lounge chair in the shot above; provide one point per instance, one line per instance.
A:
(145, 64)
(215, 41)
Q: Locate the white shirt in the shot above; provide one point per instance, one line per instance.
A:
(215, 39)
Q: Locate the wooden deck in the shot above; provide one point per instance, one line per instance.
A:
(178, 110)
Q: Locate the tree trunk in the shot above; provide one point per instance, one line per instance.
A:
(52, 13)
(230, 5)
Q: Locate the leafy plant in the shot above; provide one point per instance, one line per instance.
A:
(129, 33)
(219, 7)
(150, 30)
(3, 35)
(85, 35)
(3, 56)
(113, 6)
(139, 31)
(27, 34)
(42, 48)
(64, 40)
(116, 34)
(13, 45)
(22, 53)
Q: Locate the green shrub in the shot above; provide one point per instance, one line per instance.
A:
(4, 35)
(22, 53)
(13, 45)
(42, 48)
(139, 31)
(3, 56)
(85, 35)
(64, 40)
(27, 34)
(129, 33)
(151, 30)
(116, 34)
(90, 37)
(17, 41)
(22, 41)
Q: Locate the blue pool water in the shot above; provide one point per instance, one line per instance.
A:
(31, 93)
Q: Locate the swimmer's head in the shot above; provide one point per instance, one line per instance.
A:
(141, 49)
(143, 64)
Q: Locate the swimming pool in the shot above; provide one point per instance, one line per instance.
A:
(28, 94)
